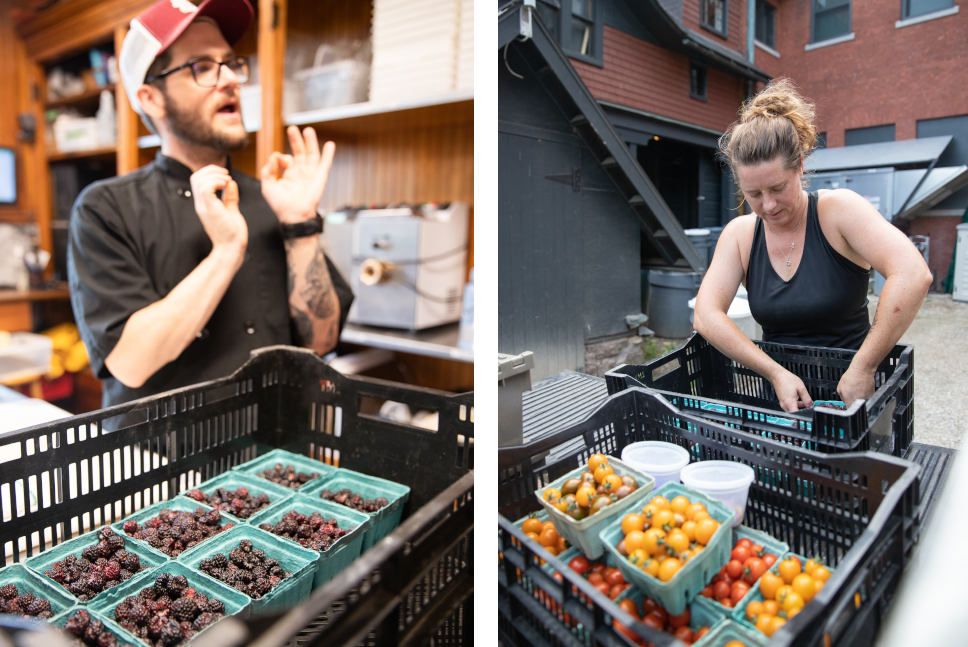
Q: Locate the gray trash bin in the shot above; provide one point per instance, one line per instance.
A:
(700, 239)
(669, 294)
(714, 233)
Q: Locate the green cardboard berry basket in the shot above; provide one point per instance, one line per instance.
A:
(234, 480)
(769, 543)
(122, 636)
(384, 520)
(27, 581)
(342, 553)
(178, 504)
(293, 558)
(236, 603)
(675, 594)
(586, 533)
(150, 558)
(699, 616)
(727, 631)
(256, 466)
(739, 613)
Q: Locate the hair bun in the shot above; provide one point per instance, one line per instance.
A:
(781, 99)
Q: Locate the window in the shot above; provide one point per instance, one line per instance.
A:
(582, 26)
(549, 11)
(821, 141)
(712, 15)
(697, 81)
(574, 23)
(766, 23)
(871, 135)
(914, 8)
(831, 18)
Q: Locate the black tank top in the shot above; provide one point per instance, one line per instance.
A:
(824, 304)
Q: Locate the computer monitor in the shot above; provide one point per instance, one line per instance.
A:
(8, 176)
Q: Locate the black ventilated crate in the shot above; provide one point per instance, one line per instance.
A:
(856, 511)
(885, 423)
(411, 588)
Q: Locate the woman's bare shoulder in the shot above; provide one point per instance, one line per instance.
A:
(740, 227)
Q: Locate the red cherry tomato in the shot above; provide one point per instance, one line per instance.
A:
(579, 564)
(755, 567)
(595, 578)
(734, 569)
(769, 560)
(599, 567)
(558, 576)
(707, 591)
(744, 542)
(648, 604)
(684, 634)
(727, 602)
(740, 554)
(738, 590)
(661, 615)
(653, 622)
(721, 590)
(680, 620)
(603, 587)
(756, 551)
(616, 591)
(614, 576)
(629, 607)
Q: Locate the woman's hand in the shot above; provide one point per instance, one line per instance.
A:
(791, 392)
(856, 384)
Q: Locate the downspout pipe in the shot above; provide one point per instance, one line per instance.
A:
(750, 29)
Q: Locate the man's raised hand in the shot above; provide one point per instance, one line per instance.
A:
(293, 184)
(221, 219)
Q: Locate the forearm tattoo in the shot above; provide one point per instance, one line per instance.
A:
(315, 298)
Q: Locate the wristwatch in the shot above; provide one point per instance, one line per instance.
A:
(302, 229)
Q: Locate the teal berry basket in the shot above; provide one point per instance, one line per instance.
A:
(699, 615)
(120, 635)
(236, 603)
(256, 466)
(727, 631)
(586, 533)
(148, 557)
(384, 520)
(294, 559)
(755, 595)
(233, 481)
(685, 585)
(342, 553)
(771, 546)
(27, 581)
(178, 504)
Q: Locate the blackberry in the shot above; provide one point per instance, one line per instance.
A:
(78, 588)
(121, 555)
(45, 615)
(78, 622)
(112, 571)
(171, 634)
(162, 583)
(270, 562)
(219, 561)
(122, 609)
(56, 574)
(268, 527)
(216, 606)
(106, 532)
(83, 563)
(178, 583)
(184, 609)
(9, 592)
(132, 562)
(110, 584)
(203, 620)
(95, 582)
(106, 639)
(93, 630)
(90, 553)
(138, 614)
(155, 625)
(196, 494)
(38, 606)
(126, 575)
(115, 543)
(213, 518)
(131, 526)
(13, 608)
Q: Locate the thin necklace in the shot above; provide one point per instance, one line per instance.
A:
(792, 245)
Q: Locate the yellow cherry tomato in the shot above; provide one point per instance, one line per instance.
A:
(689, 528)
(638, 558)
(754, 609)
(553, 550)
(677, 540)
(611, 483)
(788, 570)
(534, 536)
(821, 573)
(705, 530)
(548, 537)
(633, 522)
(686, 555)
(817, 585)
(661, 502)
(531, 525)
(602, 472)
(792, 601)
(782, 593)
(552, 495)
(771, 607)
(652, 542)
(692, 510)
(804, 586)
(679, 505)
(585, 495)
(649, 512)
(665, 519)
(763, 622)
(811, 566)
(769, 585)
(634, 541)
(668, 568)
(775, 623)
(702, 514)
(595, 461)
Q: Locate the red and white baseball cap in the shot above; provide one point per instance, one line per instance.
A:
(158, 26)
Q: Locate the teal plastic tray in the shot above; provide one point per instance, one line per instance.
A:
(27, 581)
(293, 558)
(236, 603)
(302, 464)
(384, 520)
(727, 631)
(772, 546)
(178, 504)
(700, 616)
(739, 613)
(122, 636)
(149, 557)
(234, 480)
(675, 594)
(586, 533)
(342, 553)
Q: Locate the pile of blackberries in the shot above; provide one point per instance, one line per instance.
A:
(89, 632)
(174, 532)
(287, 476)
(353, 500)
(238, 502)
(246, 569)
(168, 613)
(23, 605)
(313, 532)
(101, 566)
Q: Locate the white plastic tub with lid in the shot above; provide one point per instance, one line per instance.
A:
(662, 461)
(726, 481)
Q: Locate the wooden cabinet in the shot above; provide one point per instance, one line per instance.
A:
(418, 150)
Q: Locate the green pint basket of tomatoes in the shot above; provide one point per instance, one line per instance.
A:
(587, 499)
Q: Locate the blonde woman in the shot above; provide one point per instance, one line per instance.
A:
(804, 258)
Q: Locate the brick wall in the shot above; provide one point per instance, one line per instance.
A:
(641, 75)
(942, 232)
(885, 75)
(736, 23)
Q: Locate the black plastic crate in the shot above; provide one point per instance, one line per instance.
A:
(408, 586)
(856, 511)
(885, 423)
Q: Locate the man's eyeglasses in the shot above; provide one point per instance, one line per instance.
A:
(206, 71)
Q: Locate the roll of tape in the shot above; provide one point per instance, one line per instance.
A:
(373, 271)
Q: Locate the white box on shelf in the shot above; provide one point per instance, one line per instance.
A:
(250, 97)
(72, 134)
(26, 355)
(333, 84)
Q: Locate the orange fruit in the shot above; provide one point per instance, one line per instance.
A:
(634, 541)
(771, 607)
(788, 570)
(821, 573)
(692, 510)
(769, 584)
(804, 586)
(548, 537)
(611, 483)
(679, 505)
(585, 495)
(792, 601)
(661, 502)
(705, 530)
(602, 472)
(531, 525)
(633, 522)
(595, 461)
(652, 544)
(668, 568)
(689, 528)
(763, 622)
(677, 540)
(551, 495)
(775, 624)
(811, 566)
(665, 519)
(754, 609)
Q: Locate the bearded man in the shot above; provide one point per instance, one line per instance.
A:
(179, 269)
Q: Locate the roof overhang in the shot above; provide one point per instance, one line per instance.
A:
(901, 153)
(938, 184)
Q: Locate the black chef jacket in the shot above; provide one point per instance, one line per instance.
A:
(135, 237)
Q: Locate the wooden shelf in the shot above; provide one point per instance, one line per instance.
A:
(93, 153)
(360, 115)
(20, 296)
(90, 96)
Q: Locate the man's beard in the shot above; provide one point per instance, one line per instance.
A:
(189, 128)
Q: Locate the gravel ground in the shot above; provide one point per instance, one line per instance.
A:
(939, 334)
